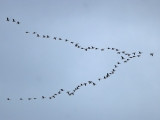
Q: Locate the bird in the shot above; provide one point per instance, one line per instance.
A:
(122, 57)
(94, 84)
(107, 75)
(118, 52)
(85, 84)
(8, 99)
(134, 53)
(18, 22)
(13, 20)
(89, 82)
(29, 98)
(7, 19)
(62, 90)
(50, 97)
(140, 52)
(138, 55)
(38, 35)
(113, 48)
(43, 97)
(151, 54)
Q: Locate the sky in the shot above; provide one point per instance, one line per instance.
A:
(35, 67)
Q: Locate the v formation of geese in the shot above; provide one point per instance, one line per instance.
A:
(125, 57)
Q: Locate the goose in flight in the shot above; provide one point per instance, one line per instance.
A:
(151, 54)
(122, 57)
(43, 97)
(66, 40)
(8, 99)
(13, 20)
(7, 19)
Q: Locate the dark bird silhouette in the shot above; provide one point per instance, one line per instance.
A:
(85, 84)
(38, 35)
(151, 54)
(62, 90)
(8, 99)
(138, 55)
(134, 53)
(118, 52)
(13, 20)
(140, 52)
(43, 97)
(50, 97)
(94, 84)
(115, 66)
(122, 57)
(107, 75)
(20, 99)
(29, 98)
(89, 82)
(7, 19)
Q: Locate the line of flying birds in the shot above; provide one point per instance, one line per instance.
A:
(124, 59)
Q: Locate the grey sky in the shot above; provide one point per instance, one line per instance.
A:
(32, 67)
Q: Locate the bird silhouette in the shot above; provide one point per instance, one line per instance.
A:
(43, 97)
(7, 19)
(8, 99)
(55, 38)
(151, 54)
(122, 57)
(13, 20)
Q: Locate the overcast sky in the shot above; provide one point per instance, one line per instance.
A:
(32, 67)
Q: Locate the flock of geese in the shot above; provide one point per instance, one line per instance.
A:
(125, 57)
